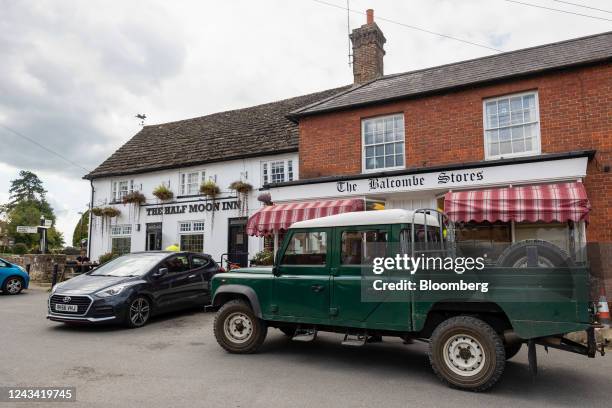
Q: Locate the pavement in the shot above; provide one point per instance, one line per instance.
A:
(175, 362)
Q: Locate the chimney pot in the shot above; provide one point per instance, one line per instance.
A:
(370, 14)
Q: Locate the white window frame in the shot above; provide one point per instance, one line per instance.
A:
(116, 196)
(266, 166)
(194, 227)
(363, 145)
(537, 141)
(121, 230)
(183, 185)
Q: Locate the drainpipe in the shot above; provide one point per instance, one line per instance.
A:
(89, 225)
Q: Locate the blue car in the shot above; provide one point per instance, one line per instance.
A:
(13, 278)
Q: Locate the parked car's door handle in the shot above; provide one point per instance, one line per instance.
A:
(316, 288)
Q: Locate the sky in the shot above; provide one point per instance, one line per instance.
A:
(73, 74)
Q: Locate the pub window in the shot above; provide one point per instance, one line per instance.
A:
(121, 240)
(361, 247)
(306, 248)
(512, 126)
(121, 188)
(383, 143)
(277, 171)
(190, 182)
(191, 236)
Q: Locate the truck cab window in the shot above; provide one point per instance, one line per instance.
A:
(361, 247)
(306, 248)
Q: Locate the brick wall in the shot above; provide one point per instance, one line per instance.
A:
(575, 114)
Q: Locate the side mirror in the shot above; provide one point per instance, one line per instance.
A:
(275, 271)
(160, 272)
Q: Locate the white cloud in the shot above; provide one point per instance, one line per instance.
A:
(74, 73)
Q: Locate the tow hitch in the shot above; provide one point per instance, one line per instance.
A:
(562, 343)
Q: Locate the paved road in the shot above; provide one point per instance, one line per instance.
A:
(175, 362)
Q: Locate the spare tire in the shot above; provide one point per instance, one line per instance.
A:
(554, 262)
(534, 253)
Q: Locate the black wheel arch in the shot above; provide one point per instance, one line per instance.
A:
(226, 293)
(489, 312)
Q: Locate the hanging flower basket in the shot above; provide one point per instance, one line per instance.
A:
(135, 197)
(265, 198)
(163, 193)
(241, 187)
(110, 212)
(210, 189)
(98, 211)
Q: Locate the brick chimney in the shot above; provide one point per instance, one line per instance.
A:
(368, 41)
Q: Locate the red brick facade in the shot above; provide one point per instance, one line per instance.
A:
(575, 114)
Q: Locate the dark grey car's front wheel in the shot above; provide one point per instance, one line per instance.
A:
(139, 311)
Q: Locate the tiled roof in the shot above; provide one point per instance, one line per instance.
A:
(248, 132)
(529, 61)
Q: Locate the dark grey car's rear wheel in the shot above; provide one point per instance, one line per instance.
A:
(13, 285)
(465, 352)
(139, 312)
(237, 329)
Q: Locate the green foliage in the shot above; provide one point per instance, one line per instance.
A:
(81, 230)
(209, 188)
(163, 193)
(27, 204)
(263, 258)
(20, 248)
(135, 197)
(29, 213)
(28, 187)
(241, 187)
(104, 258)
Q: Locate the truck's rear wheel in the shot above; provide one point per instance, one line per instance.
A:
(467, 353)
(237, 329)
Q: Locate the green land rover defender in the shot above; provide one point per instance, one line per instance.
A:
(474, 320)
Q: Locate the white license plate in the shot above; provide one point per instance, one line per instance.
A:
(66, 308)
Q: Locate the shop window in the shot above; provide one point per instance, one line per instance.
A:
(191, 236)
(306, 248)
(383, 143)
(277, 171)
(190, 182)
(361, 247)
(120, 189)
(555, 233)
(512, 126)
(121, 240)
(477, 239)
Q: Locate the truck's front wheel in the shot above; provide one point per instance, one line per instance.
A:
(465, 352)
(237, 329)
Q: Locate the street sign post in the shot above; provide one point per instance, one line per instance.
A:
(23, 229)
(48, 223)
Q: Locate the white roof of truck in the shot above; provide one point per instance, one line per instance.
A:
(396, 216)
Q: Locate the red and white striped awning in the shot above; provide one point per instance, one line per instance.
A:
(279, 217)
(548, 202)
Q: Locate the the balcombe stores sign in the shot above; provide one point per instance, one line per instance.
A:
(194, 208)
(470, 177)
(407, 182)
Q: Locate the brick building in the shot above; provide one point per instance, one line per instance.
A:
(534, 117)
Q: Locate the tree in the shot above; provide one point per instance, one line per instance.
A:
(26, 206)
(81, 230)
(28, 187)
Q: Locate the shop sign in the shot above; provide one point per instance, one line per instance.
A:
(194, 208)
(504, 175)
